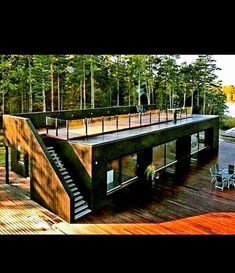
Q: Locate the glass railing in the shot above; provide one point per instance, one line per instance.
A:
(69, 129)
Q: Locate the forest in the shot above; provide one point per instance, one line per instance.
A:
(35, 83)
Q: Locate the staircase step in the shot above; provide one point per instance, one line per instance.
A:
(66, 177)
(50, 148)
(71, 185)
(79, 203)
(62, 169)
(78, 196)
(64, 173)
(69, 181)
(83, 213)
(74, 189)
(55, 157)
(81, 208)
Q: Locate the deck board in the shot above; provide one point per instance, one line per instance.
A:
(192, 206)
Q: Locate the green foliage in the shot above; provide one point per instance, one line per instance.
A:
(40, 82)
(227, 122)
(2, 156)
(150, 171)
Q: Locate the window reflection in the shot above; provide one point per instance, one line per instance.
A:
(113, 174)
(121, 171)
(129, 167)
(170, 151)
(158, 156)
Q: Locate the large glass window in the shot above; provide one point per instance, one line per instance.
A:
(113, 174)
(201, 139)
(197, 141)
(170, 151)
(164, 154)
(158, 156)
(194, 142)
(129, 167)
(121, 171)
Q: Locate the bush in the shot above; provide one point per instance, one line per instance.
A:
(227, 122)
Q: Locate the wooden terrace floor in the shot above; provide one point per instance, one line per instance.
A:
(191, 207)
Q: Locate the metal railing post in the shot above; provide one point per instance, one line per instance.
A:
(129, 117)
(117, 122)
(102, 121)
(86, 129)
(67, 128)
(47, 125)
(56, 126)
(150, 117)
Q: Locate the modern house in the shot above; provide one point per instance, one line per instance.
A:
(75, 159)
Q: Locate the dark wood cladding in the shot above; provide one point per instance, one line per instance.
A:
(46, 187)
(137, 143)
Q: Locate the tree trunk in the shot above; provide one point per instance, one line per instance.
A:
(170, 98)
(92, 87)
(204, 102)
(52, 89)
(139, 89)
(148, 92)
(184, 99)
(30, 98)
(84, 85)
(129, 93)
(153, 97)
(192, 99)
(30, 89)
(58, 91)
(118, 84)
(81, 94)
(44, 96)
(117, 92)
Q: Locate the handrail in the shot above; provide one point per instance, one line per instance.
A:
(115, 123)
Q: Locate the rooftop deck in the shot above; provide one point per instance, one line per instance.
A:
(130, 133)
(191, 207)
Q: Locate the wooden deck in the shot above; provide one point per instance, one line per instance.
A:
(191, 207)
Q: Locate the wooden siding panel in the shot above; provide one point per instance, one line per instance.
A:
(46, 187)
(84, 153)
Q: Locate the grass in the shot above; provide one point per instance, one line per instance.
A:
(227, 122)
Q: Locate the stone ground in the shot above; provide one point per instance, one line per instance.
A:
(226, 151)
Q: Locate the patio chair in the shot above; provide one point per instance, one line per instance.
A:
(230, 169)
(220, 182)
(213, 174)
(231, 180)
(217, 169)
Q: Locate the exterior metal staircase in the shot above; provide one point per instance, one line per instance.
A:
(80, 205)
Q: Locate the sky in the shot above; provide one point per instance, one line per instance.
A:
(225, 62)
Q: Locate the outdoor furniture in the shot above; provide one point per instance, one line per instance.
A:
(229, 178)
(213, 174)
(220, 182)
(230, 169)
(217, 169)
